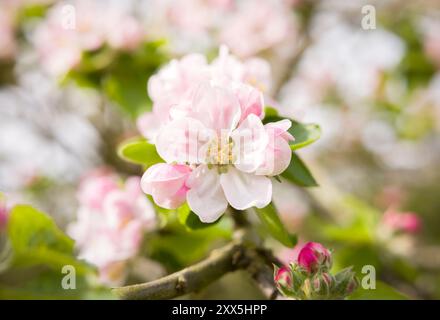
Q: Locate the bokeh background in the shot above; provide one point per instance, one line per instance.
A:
(70, 95)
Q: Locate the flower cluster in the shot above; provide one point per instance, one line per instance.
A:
(310, 278)
(208, 128)
(111, 221)
(81, 26)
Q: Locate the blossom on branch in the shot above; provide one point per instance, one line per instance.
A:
(211, 125)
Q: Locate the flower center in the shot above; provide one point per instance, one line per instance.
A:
(219, 152)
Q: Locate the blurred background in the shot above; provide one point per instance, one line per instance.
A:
(73, 85)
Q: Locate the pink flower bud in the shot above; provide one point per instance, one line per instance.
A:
(313, 257)
(283, 277)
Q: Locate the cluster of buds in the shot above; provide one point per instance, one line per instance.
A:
(309, 278)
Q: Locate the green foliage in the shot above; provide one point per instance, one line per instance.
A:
(35, 240)
(39, 252)
(122, 76)
(139, 151)
(415, 65)
(273, 225)
(298, 173)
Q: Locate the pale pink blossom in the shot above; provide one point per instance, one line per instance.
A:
(110, 228)
(225, 150)
(95, 186)
(206, 125)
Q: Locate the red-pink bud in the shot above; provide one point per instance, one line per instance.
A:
(283, 277)
(314, 256)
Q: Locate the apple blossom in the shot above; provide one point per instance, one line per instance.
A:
(109, 227)
(210, 125)
(225, 150)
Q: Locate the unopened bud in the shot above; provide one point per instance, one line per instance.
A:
(322, 284)
(346, 282)
(283, 277)
(314, 257)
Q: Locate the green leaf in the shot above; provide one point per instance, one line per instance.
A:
(36, 240)
(190, 220)
(298, 173)
(304, 134)
(270, 112)
(128, 91)
(139, 151)
(272, 223)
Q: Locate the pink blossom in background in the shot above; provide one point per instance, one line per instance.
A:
(257, 25)
(408, 222)
(95, 186)
(111, 222)
(60, 44)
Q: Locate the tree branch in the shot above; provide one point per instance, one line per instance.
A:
(193, 278)
(239, 254)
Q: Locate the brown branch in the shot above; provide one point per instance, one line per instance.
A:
(237, 255)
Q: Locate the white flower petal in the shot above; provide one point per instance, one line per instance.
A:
(250, 141)
(244, 190)
(206, 197)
